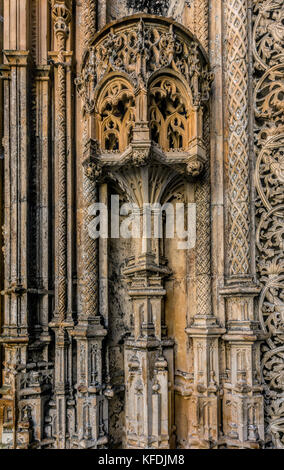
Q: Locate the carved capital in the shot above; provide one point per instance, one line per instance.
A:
(17, 58)
(61, 14)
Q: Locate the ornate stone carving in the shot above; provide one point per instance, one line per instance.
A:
(159, 7)
(268, 40)
(201, 17)
(238, 139)
(144, 133)
(140, 51)
(116, 108)
(89, 17)
(62, 16)
(168, 114)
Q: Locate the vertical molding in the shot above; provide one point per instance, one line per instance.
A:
(62, 320)
(89, 11)
(62, 16)
(42, 78)
(204, 405)
(201, 21)
(243, 424)
(90, 245)
(238, 170)
(16, 157)
(102, 13)
(1, 183)
(92, 407)
(217, 157)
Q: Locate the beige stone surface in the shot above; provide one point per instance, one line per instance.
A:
(131, 343)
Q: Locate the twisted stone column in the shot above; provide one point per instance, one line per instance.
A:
(92, 407)
(61, 13)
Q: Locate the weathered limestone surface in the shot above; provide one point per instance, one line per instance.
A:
(131, 343)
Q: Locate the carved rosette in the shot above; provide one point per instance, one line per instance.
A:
(268, 41)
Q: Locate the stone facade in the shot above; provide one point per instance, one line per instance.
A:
(128, 342)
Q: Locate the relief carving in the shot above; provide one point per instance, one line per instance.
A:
(268, 42)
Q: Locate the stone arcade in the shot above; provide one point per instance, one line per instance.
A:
(130, 343)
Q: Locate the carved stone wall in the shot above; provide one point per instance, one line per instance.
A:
(268, 41)
(130, 343)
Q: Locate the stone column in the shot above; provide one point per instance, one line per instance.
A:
(149, 362)
(204, 331)
(243, 402)
(42, 149)
(16, 156)
(92, 406)
(62, 322)
(1, 179)
(148, 358)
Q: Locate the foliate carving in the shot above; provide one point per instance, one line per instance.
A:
(268, 33)
(269, 94)
(139, 50)
(89, 17)
(93, 170)
(238, 140)
(194, 167)
(141, 157)
(270, 172)
(268, 36)
(158, 7)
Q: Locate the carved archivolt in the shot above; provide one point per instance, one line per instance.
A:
(268, 41)
(144, 80)
(139, 48)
